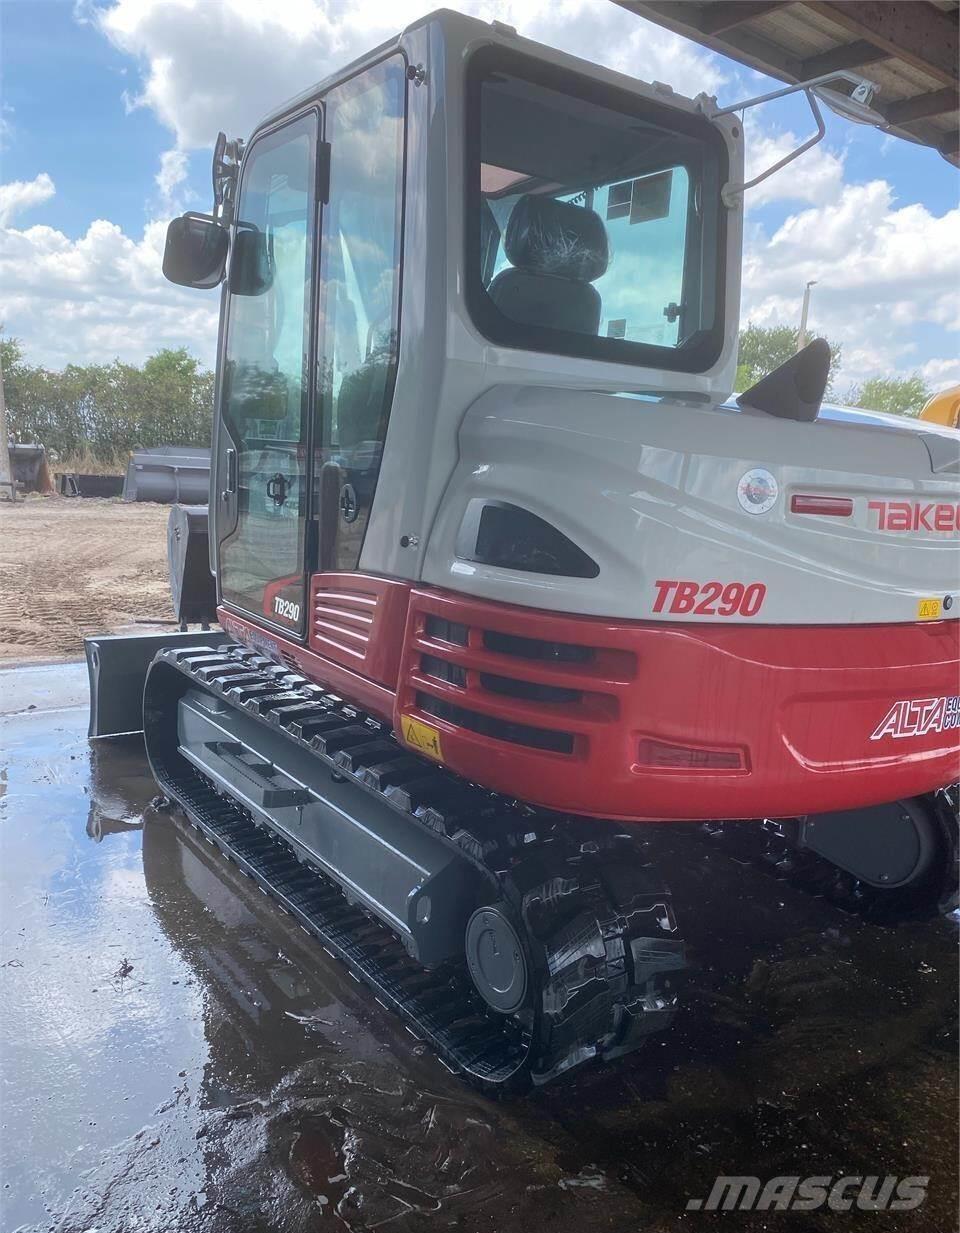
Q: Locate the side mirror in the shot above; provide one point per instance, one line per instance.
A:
(251, 270)
(195, 254)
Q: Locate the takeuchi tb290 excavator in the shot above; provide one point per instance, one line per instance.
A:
(503, 573)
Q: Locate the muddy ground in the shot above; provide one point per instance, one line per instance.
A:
(70, 567)
(176, 1055)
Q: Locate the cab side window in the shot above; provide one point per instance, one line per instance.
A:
(359, 308)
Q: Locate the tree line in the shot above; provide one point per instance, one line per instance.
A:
(764, 348)
(105, 410)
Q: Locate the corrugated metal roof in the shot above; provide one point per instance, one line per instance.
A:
(908, 48)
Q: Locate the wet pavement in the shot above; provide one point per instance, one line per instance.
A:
(175, 1054)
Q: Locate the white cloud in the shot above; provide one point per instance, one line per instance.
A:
(20, 195)
(172, 173)
(883, 271)
(815, 177)
(209, 65)
(98, 297)
(939, 374)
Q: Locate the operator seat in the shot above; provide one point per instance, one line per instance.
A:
(556, 250)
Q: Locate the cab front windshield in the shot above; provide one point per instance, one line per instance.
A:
(594, 221)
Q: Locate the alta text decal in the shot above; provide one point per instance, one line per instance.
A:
(918, 718)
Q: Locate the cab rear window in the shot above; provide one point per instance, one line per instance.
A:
(594, 221)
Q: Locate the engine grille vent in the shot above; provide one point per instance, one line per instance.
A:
(537, 648)
(446, 631)
(499, 729)
(528, 689)
(542, 693)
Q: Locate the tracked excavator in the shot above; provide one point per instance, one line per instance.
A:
(504, 576)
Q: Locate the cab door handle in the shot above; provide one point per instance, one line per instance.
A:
(231, 475)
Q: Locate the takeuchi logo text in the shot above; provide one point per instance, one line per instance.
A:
(917, 718)
(916, 515)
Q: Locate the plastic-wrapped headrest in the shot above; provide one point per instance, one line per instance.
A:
(555, 237)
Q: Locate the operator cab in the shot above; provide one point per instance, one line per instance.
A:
(459, 209)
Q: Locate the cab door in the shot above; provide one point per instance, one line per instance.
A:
(359, 301)
(266, 399)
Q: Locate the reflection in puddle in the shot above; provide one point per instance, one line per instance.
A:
(116, 787)
(177, 1054)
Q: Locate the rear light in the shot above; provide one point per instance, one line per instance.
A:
(833, 507)
(667, 756)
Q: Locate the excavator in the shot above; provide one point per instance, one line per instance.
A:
(943, 408)
(506, 581)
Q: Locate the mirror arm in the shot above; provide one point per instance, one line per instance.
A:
(226, 171)
(864, 90)
(730, 193)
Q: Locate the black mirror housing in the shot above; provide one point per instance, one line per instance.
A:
(252, 267)
(195, 254)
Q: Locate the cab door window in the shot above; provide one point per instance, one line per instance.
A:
(266, 395)
(357, 352)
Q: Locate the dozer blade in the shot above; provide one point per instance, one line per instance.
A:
(117, 667)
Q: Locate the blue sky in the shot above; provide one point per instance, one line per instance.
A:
(63, 96)
(95, 95)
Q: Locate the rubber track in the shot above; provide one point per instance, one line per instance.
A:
(601, 935)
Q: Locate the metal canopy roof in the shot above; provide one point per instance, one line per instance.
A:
(908, 48)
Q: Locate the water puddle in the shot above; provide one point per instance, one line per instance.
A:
(176, 1054)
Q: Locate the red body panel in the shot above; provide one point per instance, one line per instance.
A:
(373, 697)
(646, 721)
(358, 622)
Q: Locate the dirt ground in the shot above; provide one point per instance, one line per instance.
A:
(70, 567)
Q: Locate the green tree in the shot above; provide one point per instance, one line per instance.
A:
(764, 348)
(361, 408)
(108, 409)
(11, 353)
(896, 395)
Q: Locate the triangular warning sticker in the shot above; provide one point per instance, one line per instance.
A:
(421, 737)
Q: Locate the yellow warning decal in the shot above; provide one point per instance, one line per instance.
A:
(421, 737)
(928, 609)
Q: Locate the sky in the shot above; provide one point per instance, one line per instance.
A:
(109, 109)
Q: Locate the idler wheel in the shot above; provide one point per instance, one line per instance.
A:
(496, 960)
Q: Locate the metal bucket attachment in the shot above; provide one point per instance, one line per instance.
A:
(168, 473)
(117, 665)
(193, 588)
(73, 484)
(28, 466)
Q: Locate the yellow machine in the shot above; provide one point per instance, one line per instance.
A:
(943, 408)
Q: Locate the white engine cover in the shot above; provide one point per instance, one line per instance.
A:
(651, 489)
